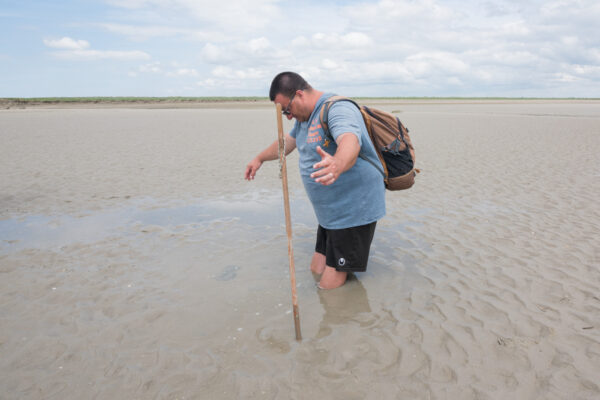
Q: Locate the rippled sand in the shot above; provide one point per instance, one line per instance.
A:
(135, 262)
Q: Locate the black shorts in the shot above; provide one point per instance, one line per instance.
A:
(346, 250)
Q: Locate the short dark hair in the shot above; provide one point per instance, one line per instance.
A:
(286, 83)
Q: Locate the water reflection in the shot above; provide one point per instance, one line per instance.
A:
(45, 232)
(342, 305)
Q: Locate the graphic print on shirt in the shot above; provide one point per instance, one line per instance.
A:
(314, 133)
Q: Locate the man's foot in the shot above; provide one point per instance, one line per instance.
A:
(317, 265)
(332, 278)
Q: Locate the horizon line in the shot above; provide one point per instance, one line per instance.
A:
(60, 99)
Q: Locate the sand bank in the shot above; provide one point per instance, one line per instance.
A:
(135, 262)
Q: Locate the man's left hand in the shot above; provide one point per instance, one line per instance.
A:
(328, 169)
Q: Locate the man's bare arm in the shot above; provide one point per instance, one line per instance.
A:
(268, 154)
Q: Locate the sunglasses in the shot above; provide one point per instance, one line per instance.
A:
(286, 111)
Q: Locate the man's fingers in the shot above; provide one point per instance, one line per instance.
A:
(250, 172)
(324, 155)
(318, 173)
(252, 168)
(326, 179)
(325, 158)
(321, 164)
(323, 174)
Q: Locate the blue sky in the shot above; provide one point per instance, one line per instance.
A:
(356, 48)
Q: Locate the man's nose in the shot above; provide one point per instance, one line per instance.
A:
(289, 116)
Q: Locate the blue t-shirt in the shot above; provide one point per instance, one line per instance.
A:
(357, 197)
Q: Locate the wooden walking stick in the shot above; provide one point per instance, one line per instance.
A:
(288, 221)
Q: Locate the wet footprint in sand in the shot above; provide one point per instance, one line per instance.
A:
(228, 273)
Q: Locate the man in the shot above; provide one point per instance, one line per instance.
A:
(342, 177)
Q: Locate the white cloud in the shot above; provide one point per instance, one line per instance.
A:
(259, 44)
(183, 72)
(142, 32)
(387, 47)
(352, 43)
(244, 54)
(132, 4)
(436, 62)
(301, 41)
(71, 49)
(398, 14)
(225, 79)
(213, 53)
(329, 64)
(86, 55)
(226, 72)
(358, 73)
(355, 39)
(564, 77)
(233, 15)
(208, 83)
(147, 32)
(586, 71)
(67, 43)
(153, 67)
(174, 70)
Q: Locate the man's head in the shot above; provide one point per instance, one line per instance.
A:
(296, 96)
(287, 83)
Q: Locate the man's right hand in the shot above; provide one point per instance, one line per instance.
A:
(269, 154)
(251, 169)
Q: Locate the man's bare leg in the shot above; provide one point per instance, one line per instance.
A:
(317, 265)
(332, 278)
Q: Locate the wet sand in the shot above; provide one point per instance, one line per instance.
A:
(135, 262)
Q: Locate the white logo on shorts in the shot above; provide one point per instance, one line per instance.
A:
(342, 262)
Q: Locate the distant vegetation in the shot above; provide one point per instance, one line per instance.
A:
(25, 101)
(42, 100)
(476, 98)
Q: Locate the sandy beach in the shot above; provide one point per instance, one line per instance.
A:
(137, 263)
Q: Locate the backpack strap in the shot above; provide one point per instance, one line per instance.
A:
(324, 115)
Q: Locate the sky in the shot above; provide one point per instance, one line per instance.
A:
(495, 48)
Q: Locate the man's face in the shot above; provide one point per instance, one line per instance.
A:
(293, 107)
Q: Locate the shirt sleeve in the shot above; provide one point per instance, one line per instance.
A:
(294, 131)
(345, 117)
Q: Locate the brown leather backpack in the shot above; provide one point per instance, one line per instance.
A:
(390, 139)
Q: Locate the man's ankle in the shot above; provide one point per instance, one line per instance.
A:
(332, 278)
